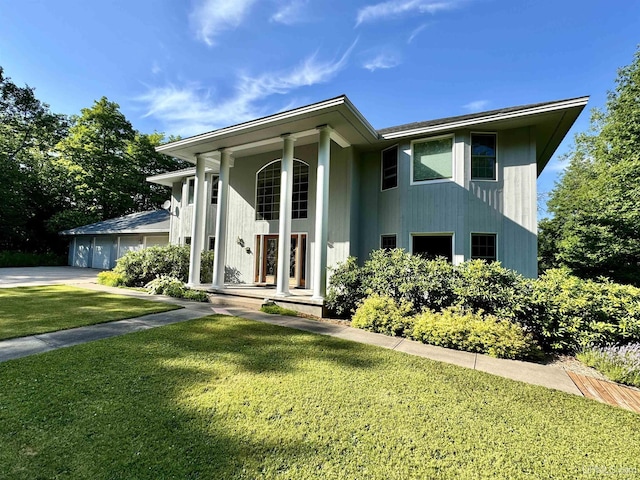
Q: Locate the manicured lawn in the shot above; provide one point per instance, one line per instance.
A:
(33, 310)
(223, 397)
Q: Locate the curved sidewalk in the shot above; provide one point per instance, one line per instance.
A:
(544, 375)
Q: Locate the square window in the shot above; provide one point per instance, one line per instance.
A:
(388, 242)
(433, 246)
(483, 246)
(483, 156)
(390, 168)
(432, 159)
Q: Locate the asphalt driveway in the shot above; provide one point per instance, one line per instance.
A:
(30, 276)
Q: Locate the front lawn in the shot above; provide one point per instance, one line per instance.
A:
(32, 310)
(223, 397)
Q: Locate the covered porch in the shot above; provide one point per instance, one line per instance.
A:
(303, 287)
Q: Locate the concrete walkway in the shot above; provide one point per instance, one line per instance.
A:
(544, 375)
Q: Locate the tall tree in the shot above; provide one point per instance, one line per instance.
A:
(28, 132)
(595, 229)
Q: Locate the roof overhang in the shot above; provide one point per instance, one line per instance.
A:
(169, 178)
(348, 126)
(552, 122)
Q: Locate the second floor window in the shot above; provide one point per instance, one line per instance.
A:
(268, 191)
(483, 156)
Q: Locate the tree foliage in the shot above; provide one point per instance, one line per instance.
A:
(595, 228)
(60, 172)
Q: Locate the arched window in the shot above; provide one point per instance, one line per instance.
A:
(268, 191)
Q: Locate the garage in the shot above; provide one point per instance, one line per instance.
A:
(99, 245)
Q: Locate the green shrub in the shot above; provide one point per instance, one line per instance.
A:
(273, 309)
(382, 314)
(174, 287)
(473, 332)
(29, 259)
(345, 288)
(397, 274)
(140, 267)
(573, 313)
(493, 289)
(110, 278)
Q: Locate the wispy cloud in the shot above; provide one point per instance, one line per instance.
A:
(191, 109)
(416, 31)
(155, 68)
(476, 105)
(211, 17)
(381, 61)
(290, 12)
(396, 8)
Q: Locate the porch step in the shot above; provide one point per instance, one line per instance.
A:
(255, 300)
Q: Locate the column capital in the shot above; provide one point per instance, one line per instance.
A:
(324, 128)
(288, 136)
(228, 154)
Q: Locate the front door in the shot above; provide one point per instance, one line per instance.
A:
(267, 265)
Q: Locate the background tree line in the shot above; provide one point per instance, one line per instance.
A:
(60, 172)
(595, 227)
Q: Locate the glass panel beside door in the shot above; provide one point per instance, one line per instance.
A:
(267, 260)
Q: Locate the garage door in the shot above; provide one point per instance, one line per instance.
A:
(82, 252)
(128, 244)
(153, 240)
(102, 253)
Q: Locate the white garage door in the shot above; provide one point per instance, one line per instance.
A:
(82, 252)
(129, 243)
(153, 240)
(102, 253)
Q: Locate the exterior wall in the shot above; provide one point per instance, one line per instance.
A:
(506, 206)
(243, 228)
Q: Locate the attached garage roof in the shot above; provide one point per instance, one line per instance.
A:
(155, 221)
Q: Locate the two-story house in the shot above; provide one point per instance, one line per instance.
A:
(282, 198)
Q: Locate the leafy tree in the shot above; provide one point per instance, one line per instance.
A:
(102, 166)
(595, 229)
(28, 132)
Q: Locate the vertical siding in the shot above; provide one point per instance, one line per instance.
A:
(506, 207)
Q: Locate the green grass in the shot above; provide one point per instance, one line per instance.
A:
(273, 309)
(223, 397)
(33, 310)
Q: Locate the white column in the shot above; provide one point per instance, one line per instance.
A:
(219, 255)
(322, 214)
(197, 227)
(284, 233)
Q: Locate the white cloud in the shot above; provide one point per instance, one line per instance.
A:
(210, 17)
(155, 68)
(416, 31)
(192, 109)
(381, 61)
(395, 8)
(290, 12)
(476, 105)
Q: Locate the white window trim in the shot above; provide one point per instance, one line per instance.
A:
(436, 234)
(453, 160)
(187, 190)
(471, 134)
(255, 189)
(388, 235)
(471, 234)
(397, 147)
(211, 181)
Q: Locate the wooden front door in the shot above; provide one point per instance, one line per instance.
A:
(267, 264)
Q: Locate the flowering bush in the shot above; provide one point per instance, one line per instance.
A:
(619, 363)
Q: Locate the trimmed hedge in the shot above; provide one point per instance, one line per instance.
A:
(453, 327)
(173, 287)
(140, 267)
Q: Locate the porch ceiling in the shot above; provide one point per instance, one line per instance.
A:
(263, 134)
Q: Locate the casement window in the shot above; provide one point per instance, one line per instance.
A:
(191, 189)
(214, 190)
(483, 246)
(268, 191)
(389, 168)
(388, 242)
(433, 246)
(432, 159)
(483, 156)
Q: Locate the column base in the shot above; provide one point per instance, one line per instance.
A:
(283, 294)
(317, 297)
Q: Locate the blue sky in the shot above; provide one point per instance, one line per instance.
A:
(188, 66)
